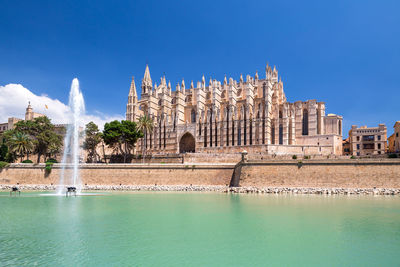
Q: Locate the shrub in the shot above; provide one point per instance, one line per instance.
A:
(299, 164)
(48, 167)
(3, 164)
(307, 157)
(294, 157)
(392, 156)
(27, 161)
(51, 160)
(352, 157)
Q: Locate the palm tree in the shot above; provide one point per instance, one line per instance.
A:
(20, 144)
(146, 125)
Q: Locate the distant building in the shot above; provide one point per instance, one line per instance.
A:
(368, 141)
(29, 115)
(394, 139)
(346, 147)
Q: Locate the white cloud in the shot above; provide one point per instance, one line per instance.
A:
(14, 100)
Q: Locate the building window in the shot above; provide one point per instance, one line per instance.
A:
(368, 146)
(193, 116)
(358, 138)
(379, 137)
(280, 134)
(239, 134)
(305, 122)
(358, 146)
(368, 138)
(273, 133)
(379, 146)
(397, 134)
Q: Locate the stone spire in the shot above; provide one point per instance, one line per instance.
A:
(225, 81)
(132, 90)
(147, 79)
(183, 85)
(131, 107)
(146, 82)
(256, 76)
(241, 78)
(191, 85)
(203, 80)
(178, 88)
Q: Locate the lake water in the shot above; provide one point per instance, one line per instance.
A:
(199, 229)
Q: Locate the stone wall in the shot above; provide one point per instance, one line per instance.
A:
(322, 174)
(125, 174)
(273, 173)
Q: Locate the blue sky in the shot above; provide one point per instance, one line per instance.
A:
(345, 53)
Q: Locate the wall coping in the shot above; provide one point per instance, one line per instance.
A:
(303, 162)
(128, 166)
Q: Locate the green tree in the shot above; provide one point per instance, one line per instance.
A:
(3, 148)
(20, 144)
(42, 131)
(3, 152)
(146, 125)
(92, 140)
(10, 155)
(121, 136)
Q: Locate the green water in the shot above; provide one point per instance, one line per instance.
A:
(199, 229)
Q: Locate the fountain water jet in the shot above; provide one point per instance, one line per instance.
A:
(72, 147)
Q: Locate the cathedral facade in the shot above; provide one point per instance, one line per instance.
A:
(251, 114)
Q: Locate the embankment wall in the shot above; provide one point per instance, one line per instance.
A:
(289, 173)
(322, 174)
(125, 174)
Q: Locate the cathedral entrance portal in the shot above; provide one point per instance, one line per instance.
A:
(187, 143)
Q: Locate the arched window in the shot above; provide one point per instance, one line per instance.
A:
(290, 131)
(281, 134)
(227, 126)
(211, 132)
(193, 116)
(273, 133)
(205, 134)
(280, 114)
(233, 132)
(165, 131)
(239, 133)
(305, 122)
(245, 126)
(251, 131)
(264, 89)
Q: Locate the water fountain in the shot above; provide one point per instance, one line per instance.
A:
(69, 175)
